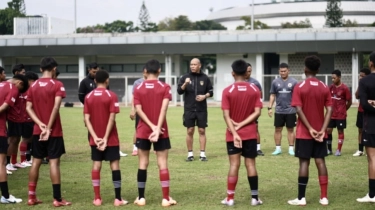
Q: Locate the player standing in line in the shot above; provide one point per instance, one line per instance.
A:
(153, 129)
(256, 83)
(9, 91)
(43, 105)
(285, 114)
(310, 97)
(241, 105)
(364, 72)
(3, 76)
(342, 100)
(101, 107)
(367, 100)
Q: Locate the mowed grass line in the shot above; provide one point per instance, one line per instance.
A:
(197, 185)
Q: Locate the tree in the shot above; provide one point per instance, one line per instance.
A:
(18, 5)
(334, 14)
(372, 25)
(301, 24)
(16, 8)
(349, 23)
(118, 26)
(205, 25)
(247, 26)
(144, 21)
(180, 23)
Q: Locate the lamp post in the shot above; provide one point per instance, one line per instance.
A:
(75, 16)
(252, 14)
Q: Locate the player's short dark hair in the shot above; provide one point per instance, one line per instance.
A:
(366, 71)
(312, 62)
(283, 65)
(239, 67)
(93, 65)
(337, 72)
(152, 66)
(31, 76)
(24, 81)
(1, 69)
(48, 63)
(101, 76)
(17, 68)
(248, 64)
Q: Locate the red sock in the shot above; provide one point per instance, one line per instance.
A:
(14, 158)
(231, 185)
(23, 150)
(32, 187)
(323, 182)
(164, 180)
(340, 141)
(95, 179)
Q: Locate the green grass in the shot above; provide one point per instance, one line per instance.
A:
(197, 185)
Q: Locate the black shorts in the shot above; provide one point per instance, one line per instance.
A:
(53, 148)
(288, 120)
(160, 145)
(340, 124)
(192, 119)
(359, 122)
(309, 148)
(3, 145)
(109, 154)
(27, 129)
(137, 118)
(368, 140)
(248, 150)
(24, 129)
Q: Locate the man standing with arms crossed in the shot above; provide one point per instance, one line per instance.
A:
(285, 114)
(196, 87)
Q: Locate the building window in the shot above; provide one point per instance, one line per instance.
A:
(129, 67)
(71, 68)
(115, 68)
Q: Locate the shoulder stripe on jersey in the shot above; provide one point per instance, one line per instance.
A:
(323, 84)
(302, 84)
(140, 85)
(52, 81)
(10, 85)
(231, 89)
(108, 93)
(88, 96)
(252, 86)
(161, 83)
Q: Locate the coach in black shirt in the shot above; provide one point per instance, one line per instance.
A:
(196, 87)
(88, 84)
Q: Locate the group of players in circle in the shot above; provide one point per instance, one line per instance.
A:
(319, 109)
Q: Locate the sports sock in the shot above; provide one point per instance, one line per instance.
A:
(190, 153)
(360, 147)
(23, 150)
(203, 153)
(323, 182)
(302, 184)
(258, 147)
(340, 141)
(116, 179)
(253, 182)
(278, 147)
(28, 152)
(291, 147)
(141, 179)
(329, 142)
(371, 183)
(164, 181)
(8, 159)
(13, 159)
(231, 186)
(57, 192)
(135, 147)
(4, 189)
(95, 179)
(32, 189)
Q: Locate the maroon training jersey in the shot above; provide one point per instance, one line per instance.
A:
(150, 95)
(241, 99)
(340, 95)
(312, 96)
(42, 95)
(17, 112)
(99, 104)
(8, 94)
(26, 117)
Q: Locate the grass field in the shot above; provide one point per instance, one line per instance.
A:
(197, 185)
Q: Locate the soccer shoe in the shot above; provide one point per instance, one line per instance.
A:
(324, 201)
(366, 199)
(123, 154)
(357, 154)
(135, 152)
(255, 202)
(32, 202)
(260, 153)
(338, 153)
(121, 202)
(140, 202)
(9, 172)
(166, 203)
(297, 202)
(11, 199)
(276, 152)
(227, 202)
(329, 152)
(19, 165)
(30, 161)
(291, 152)
(97, 202)
(26, 163)
(63, 202)
(203, 158)
(10, 167)
(190, 158)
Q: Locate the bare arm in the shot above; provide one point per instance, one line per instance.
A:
(327, 118)
(163, 112)
(89, 126)
(3, 107)
(272, 100)
(303, 118)
(111, 122)
(348, 104)
(228, 121)
(143, 116)
(249, 119)
(356, 94)
(31, 113)
(54, 112)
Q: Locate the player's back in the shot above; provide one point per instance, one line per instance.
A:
(43, 92)
(5, 87)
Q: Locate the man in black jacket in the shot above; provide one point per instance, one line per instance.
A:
(196, 88)
(88, 84)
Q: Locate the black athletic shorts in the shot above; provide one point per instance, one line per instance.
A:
(137, 118)
(192, 119)
(24, 129)
(359, 122)
(309, 148)
(340, 124)
(3, 145)
(53, 148)
(368, 140)
(248, 150)
(109, 154)
(288, 120)
(160, 145)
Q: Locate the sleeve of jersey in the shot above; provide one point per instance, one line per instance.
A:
(296, 97)
(328, 100)
(115, 107)
(12, 96)
(168, 93)
(225, 101)
(60, 90)
(137, 100)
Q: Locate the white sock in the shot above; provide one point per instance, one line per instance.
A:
(190, 154)
(203, 154)
(135, 147)
(258, 147)
(278, 148)
(291, 147)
